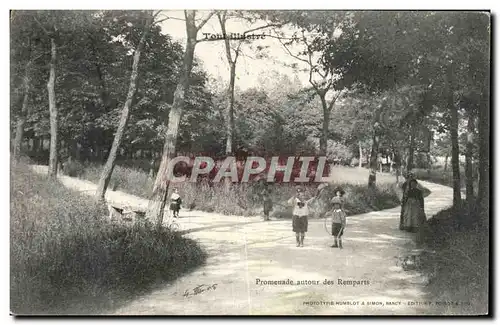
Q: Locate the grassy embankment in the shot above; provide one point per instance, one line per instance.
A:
(458, 270)
(66, 258)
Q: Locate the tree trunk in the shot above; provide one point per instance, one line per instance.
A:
(455, 162)
(110, 163)
(230, 112)
(160, 189)
(469, 174)
(429, 163)
(24, 114)
(360, 155)
(411, 149)
(19, 137)
(230, 117)
(52, 110)
(446, 162)
(323, 140)
(230, 89)
(36, 145)
(429, 158)
(398, 167)
(484, 150)
(372, 178)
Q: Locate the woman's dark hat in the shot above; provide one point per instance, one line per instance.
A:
(339, 189)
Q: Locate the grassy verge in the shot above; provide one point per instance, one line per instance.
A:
(458, 270)
(243, 199)
(63, 253)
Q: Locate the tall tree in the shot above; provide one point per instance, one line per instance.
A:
(23, 57)
(110, 163)
(160, 189)
(455, 162)
(232, 55)
(51, 33)
(484, 56)
(469, 174)
(323, 81)
(484, 149)
(232, 77)
(24, 112)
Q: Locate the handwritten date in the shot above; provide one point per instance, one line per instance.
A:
(199, 289)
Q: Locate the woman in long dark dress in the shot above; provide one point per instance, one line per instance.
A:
(404, 188)
(413, 207)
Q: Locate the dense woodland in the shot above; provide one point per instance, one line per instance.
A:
(109, 87)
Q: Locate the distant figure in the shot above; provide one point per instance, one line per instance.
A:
(175, 203)
(300, 215)
(266, 201)
(413, 207)
(339, 221)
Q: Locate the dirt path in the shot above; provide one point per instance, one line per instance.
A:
(245, 250)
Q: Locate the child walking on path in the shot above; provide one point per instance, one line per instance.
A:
(300, 216)
(175, 203)
(339, 221)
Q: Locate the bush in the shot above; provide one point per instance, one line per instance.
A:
(358, 199)
(421, 160)
(73, 168)
(131, 180)
(458, 270)
(63, 251)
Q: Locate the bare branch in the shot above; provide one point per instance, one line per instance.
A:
(38, 56)
(174, 18)
(41, 26)
(293, 55)
(321, 74)
(247, 56)
(263, 27)
(315, 86)
(330, 106)
(204, 21)
(222, 21)
(238, 51)
(155, 14)
(281, 37)
(162, 20)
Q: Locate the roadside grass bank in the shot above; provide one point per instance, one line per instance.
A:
(458, 268)
(66, 258)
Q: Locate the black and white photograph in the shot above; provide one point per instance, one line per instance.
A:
(250, 162)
